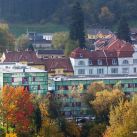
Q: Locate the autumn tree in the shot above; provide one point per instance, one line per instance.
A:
(106, 17)
(103, 101)
(16, 108)
(123, 119)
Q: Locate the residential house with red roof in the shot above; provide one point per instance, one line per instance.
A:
(54, 66)
(116, 58)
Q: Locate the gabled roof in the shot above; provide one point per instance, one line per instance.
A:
(80, 53)
(58, 63)
(123, 49)
(18, 56)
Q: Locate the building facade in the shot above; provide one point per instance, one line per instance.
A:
(35, 80)
(117, 58)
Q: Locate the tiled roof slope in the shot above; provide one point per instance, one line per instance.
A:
(19, 56)
(57, 63)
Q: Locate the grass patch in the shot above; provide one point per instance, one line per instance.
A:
(18, 29)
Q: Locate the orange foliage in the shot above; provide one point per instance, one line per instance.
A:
(17, 107)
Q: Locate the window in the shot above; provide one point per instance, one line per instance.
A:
(81, 71)
(135, 61)
(99, 62)
(90, 62)
(33, 79)
(81, 55)
(114, 61)
(114, 70)
(125, 62)
(135, 70)
(12, 80)
(90, 71)
(125, 70)
(38, 87)
(24, 80)
(100, 71)
(81, 63)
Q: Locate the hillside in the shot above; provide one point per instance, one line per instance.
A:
(103, 12)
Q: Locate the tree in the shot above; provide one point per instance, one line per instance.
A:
(123, 31)
(16, 108)
(123, 119)
(22, 42)
(77, 25)
(7, 40)
(37, 118)
(60, 39)
(103, 101)
(106, 17)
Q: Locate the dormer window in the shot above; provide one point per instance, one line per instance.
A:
(81, 63)
(99, 62)
(114, 62)
(125, 62)
(90, 62)
(81, 55)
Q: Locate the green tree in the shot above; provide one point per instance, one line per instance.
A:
(7, 40)
(37, 118)
(123, 31)
(22, 42)
(60, 39)
(77, 25)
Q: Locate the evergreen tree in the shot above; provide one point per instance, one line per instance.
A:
(123, 30)
(37, 118)
(77, 25)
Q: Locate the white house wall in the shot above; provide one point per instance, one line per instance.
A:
(107, 69)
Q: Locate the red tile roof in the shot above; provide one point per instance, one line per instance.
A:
(19, 56)
(122, 48)
(80, 53)
(58, 63)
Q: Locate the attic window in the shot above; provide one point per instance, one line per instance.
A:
(90, 62)
(81, 63)
(99, 62)
(114, 61)
(81, 55)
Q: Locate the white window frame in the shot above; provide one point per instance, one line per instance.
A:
(125, 62)
(114, 61)
(90, 71)
(100, 71)
(125, 70)
(99, 62)
(114, 70)
(81, 71)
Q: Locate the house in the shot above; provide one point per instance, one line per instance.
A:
(93, 34)
(40, 40)
(24, 57)
(54, 66)
(58, 66)
(50, 53)
(117, 58)
(16, 74)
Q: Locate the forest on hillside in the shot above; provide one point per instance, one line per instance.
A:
(104, 12)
